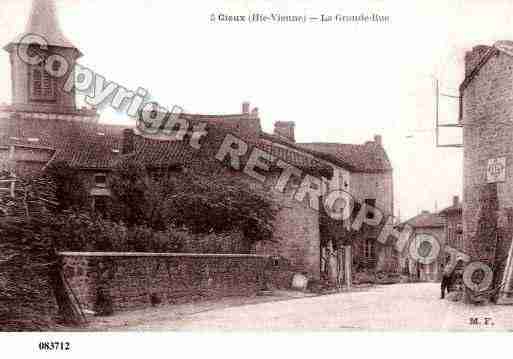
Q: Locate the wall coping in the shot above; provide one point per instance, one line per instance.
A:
(150, 254)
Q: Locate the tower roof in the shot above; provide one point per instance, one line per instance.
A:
(44, 22)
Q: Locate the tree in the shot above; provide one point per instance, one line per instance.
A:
(70, 190)
(199, 203)
(131, 190)
(218, 204)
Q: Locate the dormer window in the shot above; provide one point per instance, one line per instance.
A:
(100, 180)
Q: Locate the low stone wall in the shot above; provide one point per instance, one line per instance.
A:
(139, 280)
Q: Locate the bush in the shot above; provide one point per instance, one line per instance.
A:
(27, 300)
(202, 204)
(79, 231)
(70, 191)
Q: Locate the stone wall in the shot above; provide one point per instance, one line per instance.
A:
(374, 185)
(296, 235)
(140, 280)
(487, 114)
(378, 186)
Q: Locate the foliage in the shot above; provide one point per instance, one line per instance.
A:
(70, 191)
(79, 231)
(201, 204)
(339, 232)
(130, 188)
(220, 205)
(27, 262)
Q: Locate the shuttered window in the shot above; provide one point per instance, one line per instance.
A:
(42, 85)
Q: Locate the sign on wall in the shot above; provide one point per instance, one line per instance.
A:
(496, 170)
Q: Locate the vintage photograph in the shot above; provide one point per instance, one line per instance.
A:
(255, 166)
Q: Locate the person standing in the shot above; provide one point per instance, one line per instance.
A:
(446, 280)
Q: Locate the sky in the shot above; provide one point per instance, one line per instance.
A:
(338, 82)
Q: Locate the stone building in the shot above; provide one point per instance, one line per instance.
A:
(486, 117)
(428, 229)
(453, 224)
(367, 175)
(43, 125)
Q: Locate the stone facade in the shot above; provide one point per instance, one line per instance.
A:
(140, 280)
(428, 237)
(429, 272)
(453, 225)
(364, 172)
(378, 187)
(487, 112)
(296, 236)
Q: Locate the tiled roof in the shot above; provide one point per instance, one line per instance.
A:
(154, 152)
(81, 144)
(369, 157)
(425, 220)
(454, 208)
(305, 149)
(99, 146)
(295, 158)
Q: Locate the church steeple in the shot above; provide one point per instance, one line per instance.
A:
(43, 21)
(33, 88)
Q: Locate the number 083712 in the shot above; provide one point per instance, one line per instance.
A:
(54, 346)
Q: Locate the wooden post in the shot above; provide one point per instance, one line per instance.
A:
(340, 268)
(12, 165)
(505, 296)
(348, 260)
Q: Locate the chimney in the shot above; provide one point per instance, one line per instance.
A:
(378, 140)
(473, 57)
(285, 129)
(455, 201)
(128, 145)
(245, 107)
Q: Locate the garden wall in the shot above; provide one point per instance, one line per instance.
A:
(139, 280)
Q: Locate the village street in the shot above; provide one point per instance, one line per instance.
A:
(412, 306)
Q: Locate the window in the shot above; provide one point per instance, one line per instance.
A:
(37, 79)
(370, 202)
(56, 65)
(100, 180)
(459, 235)
(42, 84)
(368, 248)
(450, 239)
(100, 204)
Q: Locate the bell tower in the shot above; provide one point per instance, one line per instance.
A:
(35, 88)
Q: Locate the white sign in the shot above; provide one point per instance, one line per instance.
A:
(496, 170)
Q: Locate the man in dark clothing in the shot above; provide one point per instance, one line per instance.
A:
(446, 281)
